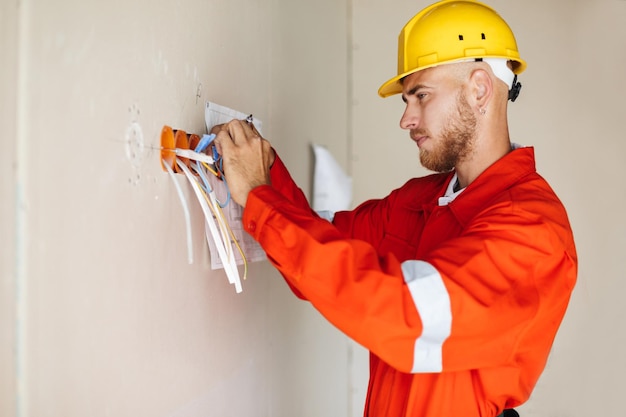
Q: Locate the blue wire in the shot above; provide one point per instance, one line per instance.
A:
(207, 187)
(221, 171)
(204, 142)
(205, 180)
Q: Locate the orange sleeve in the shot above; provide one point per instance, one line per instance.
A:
(509, 277)
(285, 185)
(503, 282)
(343, 278)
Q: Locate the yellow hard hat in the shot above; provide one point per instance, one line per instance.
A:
(450, 31)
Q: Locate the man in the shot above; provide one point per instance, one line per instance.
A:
(456, 282)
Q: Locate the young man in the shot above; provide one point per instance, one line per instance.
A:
(456, 282)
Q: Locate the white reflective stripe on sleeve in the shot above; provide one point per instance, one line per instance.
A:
(327, 215)
(433, 305)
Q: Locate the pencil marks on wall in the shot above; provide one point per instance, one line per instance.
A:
(134, 143)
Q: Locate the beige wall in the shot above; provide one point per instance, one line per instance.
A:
(99, 312)
(8, 191)
(107, 316)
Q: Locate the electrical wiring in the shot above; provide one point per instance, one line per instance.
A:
(196, 156)
(219, 214)
(204, 142)
(229, 262)
(223, 218)
(183, 201)
(237, 245)
(206, 160)
(211, 200)
(219, 167)
(218, 172)
(211, 170)
(219, 234)
(222, 205)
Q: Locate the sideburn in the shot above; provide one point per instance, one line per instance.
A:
(456, 139)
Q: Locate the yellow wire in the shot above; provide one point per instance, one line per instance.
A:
(215, 214)
(229, 232)
(211, 170)
(232, 234)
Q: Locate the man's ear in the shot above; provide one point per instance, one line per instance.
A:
(481, 88)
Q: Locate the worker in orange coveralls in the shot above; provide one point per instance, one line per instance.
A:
(456, 282)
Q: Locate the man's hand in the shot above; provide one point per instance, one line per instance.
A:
(246, 155)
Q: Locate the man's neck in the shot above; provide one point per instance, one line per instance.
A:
(469, 169)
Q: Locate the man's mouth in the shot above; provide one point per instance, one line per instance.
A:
(419, 139)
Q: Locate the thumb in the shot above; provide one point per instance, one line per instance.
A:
(223, 142)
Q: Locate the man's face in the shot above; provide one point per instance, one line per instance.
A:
(438, 117)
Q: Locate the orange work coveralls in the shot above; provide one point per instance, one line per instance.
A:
(457, 301)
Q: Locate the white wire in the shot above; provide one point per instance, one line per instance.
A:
(228, 260)
(223, 227)
(196, 156)
(183, 201)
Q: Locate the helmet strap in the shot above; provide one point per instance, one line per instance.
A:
(500, 69)
(515, 88)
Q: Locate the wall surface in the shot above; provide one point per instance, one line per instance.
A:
(8, 192)
(100, 313)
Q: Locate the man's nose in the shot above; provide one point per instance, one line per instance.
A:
(410, 118)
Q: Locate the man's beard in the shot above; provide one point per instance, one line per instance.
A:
(456, 139)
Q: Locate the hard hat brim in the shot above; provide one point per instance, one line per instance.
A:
(393, 85)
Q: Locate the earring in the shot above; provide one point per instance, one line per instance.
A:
(483, 111)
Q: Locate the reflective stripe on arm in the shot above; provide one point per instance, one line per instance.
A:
(433, 305)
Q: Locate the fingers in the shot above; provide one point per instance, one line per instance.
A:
(223, 138)
(253, 127)
(246, 157)
(237, 129)
(216, 129)
(241, 131)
